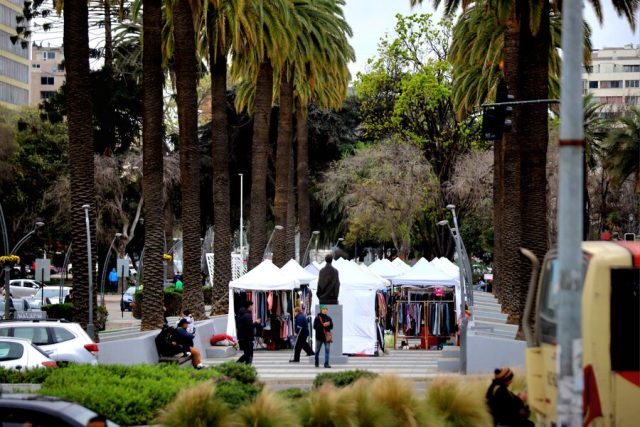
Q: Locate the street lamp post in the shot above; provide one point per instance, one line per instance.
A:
(314, 233)
(334, 247)
(464, 260)
(90, 326)
(241, 220)
(7, 268)
(106, 265)
(266, 248)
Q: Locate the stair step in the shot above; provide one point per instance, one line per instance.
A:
(489, 326)
(487, 307)
(495, 317)
(449, 365)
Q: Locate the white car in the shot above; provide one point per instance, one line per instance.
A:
(48, 295)
(62, 341)
(20, 353)
(21, 288)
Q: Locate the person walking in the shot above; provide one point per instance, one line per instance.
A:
(302, 329)
(323, 325)
(113, 280)
(185, 340)
(246, 332)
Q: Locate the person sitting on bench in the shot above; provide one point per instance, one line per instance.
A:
(185, 339)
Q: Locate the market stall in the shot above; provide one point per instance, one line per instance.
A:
(271, 290)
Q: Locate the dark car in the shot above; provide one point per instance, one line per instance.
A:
(44, 411)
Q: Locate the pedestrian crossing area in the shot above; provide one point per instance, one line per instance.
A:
(273, 367)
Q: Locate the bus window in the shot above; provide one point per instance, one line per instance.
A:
(550, 285)
(625, 319)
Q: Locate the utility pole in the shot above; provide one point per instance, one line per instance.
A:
(570, 205)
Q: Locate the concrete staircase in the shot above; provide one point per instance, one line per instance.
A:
(490, 340)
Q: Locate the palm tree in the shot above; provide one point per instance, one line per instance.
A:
(153, 77)
(622, 148)
(253, 70)
(226, 25)
(520, 157)
(79, 115)
(187, 102)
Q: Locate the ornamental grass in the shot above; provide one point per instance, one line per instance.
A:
(460, 403)
(196, 407)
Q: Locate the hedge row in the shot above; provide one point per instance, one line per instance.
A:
(172, 300)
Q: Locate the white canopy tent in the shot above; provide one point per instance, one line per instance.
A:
(400, 265)
(357, 295)
(314, 268)
(424, 274)
(264, 277)
(447, 266)
(384, 268)
(293, 269)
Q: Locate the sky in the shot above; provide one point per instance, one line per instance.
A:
(371, 19)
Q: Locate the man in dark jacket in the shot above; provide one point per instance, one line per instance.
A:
(185, 339)
(323, 324)
(245, 325)
(302, 329)
(328, 283)
(507, 409)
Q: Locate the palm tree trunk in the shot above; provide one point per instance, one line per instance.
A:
(187, 102)
(290, 231)
(259, 164)
(533, 142)
(302, 136)
(152, 151)
(283, 160)
(221, 196)
(79, 119)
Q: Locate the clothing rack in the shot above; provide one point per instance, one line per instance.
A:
(421, 313)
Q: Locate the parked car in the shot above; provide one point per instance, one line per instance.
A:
(21, 288)
(62, 341)
(45, 411)
(48, 295)
(20, 353)
(127, 298)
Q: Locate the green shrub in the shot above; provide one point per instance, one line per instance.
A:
(128, 395)
(234, 393)
(173, 300)
(29, 376)
(341, 379)
(238, 371)
(59, 311)
(293, 393)
(207, 293)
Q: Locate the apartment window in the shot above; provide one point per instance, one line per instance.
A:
(632, 100)
(632, 83)
(611, 84)
(611, 100)
(48, 55)
(593, 84)
(35, 65)
(631, 68)
(46, 94)
(46, 80)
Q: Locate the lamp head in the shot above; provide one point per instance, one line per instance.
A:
(451, 207)
(340, 239)
(315, 232)
(443, 222)
(86, 206)
(118, 235)
(39, 224)
(279, 227)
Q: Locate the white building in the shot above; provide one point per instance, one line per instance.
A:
(614, 78)
(14, 58)
(47, 72)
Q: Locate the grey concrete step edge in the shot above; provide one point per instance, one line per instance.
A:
(489, 325)
(449, 366)
(482, 304)
(498, 334)
(490, 317)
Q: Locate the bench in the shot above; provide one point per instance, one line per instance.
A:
(179, 359)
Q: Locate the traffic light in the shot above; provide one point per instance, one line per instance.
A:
(496, 118)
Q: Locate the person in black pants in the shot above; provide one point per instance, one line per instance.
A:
(302, 328)
(322, 324)
(245, 326)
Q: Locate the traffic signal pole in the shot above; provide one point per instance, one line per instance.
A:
(570, 212)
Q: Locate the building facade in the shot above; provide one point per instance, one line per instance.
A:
(14, 58)
(47, 72)
(614, 79)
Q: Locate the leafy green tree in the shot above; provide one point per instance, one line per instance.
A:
(622, 148)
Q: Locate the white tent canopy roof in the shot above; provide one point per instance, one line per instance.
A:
(353, 277)
(400, 265)
(384, 268)
(447, 266)
(265, 277)
(425, 274)
(293, 269)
